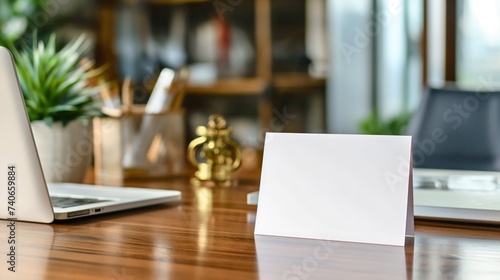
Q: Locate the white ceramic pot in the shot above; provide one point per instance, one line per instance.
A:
(65, 152)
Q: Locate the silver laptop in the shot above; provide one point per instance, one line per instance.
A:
(456, 154)
(25, 194)
(462, 195)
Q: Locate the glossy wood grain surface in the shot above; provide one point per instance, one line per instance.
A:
(210, 236)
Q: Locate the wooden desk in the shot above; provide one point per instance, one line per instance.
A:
(210, 236)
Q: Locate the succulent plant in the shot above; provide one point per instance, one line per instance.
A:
(55, 83)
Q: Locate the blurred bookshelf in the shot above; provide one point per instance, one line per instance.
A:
(276, 31)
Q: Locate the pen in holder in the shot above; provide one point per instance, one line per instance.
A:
(142, 141)
(139, 145)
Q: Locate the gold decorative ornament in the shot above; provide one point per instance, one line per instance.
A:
(214, 153)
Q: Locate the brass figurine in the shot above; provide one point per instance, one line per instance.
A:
(214, 153)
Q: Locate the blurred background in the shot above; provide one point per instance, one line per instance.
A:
(334, 66)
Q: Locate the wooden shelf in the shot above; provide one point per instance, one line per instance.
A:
(297, 81)
(283, 84)
(237, 86)
(174, 2)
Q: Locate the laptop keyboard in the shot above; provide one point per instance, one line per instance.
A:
(65, 202)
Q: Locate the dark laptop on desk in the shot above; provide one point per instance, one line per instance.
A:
(24, 194)
(456, 155)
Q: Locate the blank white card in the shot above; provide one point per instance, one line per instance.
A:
(354, 188)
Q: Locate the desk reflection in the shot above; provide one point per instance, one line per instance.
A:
(32, 242)
(470, 257)
(294, 258)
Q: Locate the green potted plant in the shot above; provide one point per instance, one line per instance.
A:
(60, 102)
(396, 125)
